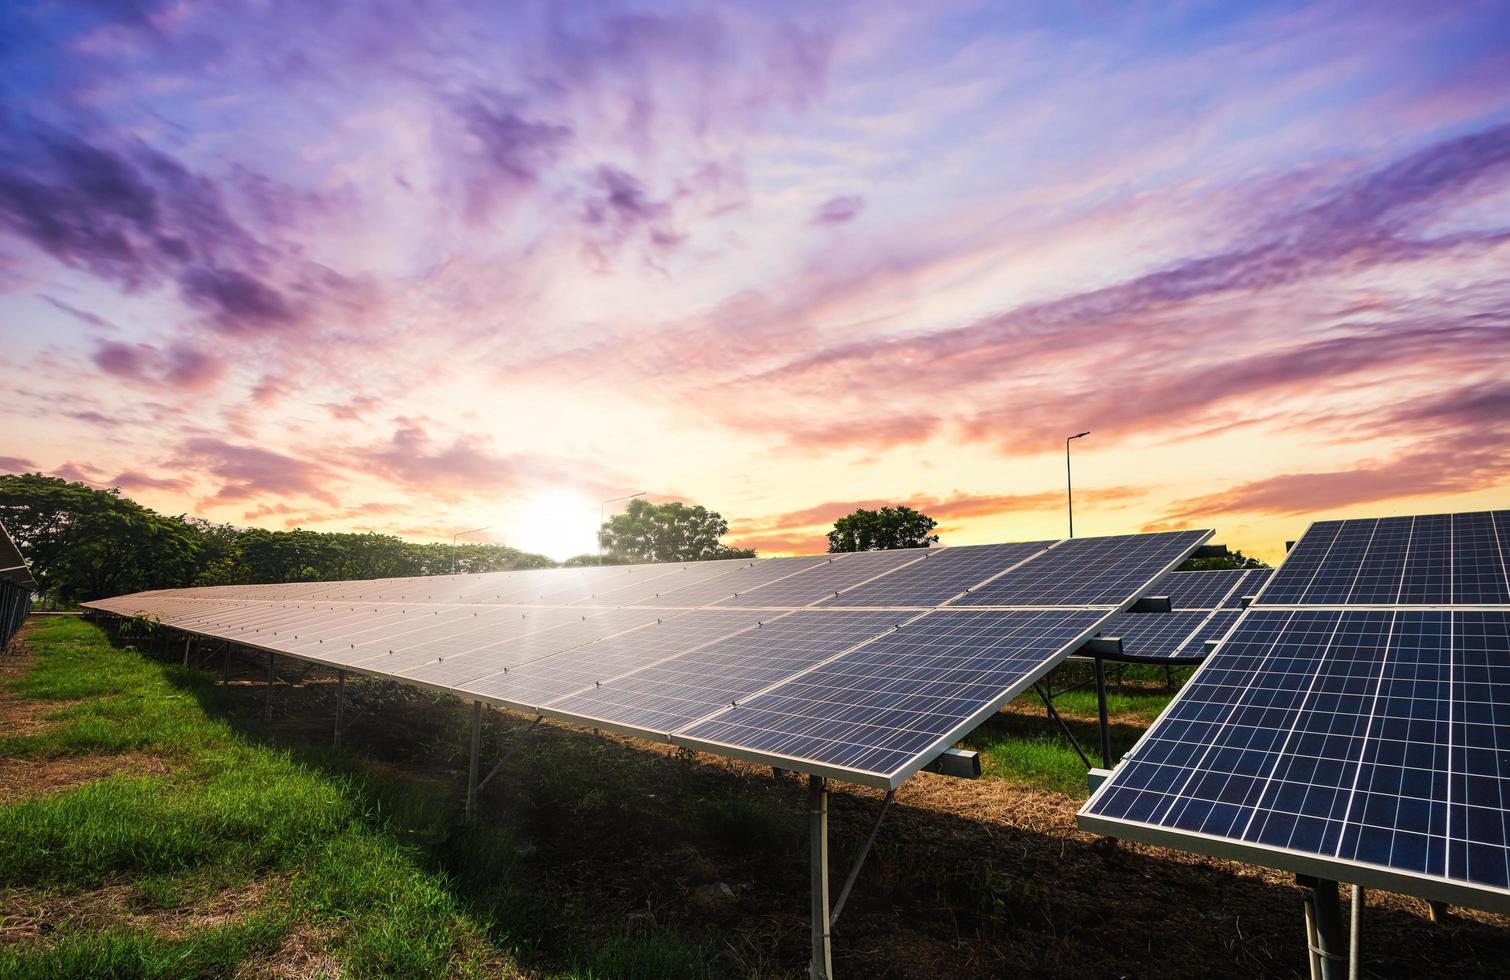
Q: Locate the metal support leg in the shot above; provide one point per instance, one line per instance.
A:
(822, 966)
(1311, 943)
(472, 765)
(187, 641)
(340, 705)
(1074, 744)
(1330, 948)
(1436, 912)
(225, 666)
(1106, 732)
(268, 711)
(1355, 932)
(854, 873)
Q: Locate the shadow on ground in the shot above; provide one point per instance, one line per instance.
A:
(584, 840)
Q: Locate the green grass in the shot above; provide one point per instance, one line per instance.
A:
(1026, 747)
(363, 856)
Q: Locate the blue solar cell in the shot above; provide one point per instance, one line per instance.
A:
(883, 707)
(1379, 572)
(1087, 571)
(1427, 579)
(940, 576)
(1289, 582)
(1478, 566)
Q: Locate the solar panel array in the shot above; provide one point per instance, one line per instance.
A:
(1204, 606)
(824, 664)
(1355, 724)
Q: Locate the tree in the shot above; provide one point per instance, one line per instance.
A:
(84, 543)
(1232, 559)
(666, 532)
(882, 530)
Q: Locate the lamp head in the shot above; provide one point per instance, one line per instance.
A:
(1079, 434)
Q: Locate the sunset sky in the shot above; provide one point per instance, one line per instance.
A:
(420, 267)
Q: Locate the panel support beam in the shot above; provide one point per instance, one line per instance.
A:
(340, 705)
(1326, 935)
(849, 883)
(822, 964)
(471, 813)
(271, 679)
(511, 753)
(1074, 743)
(1106, 732)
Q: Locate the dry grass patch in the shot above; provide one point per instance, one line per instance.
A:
(32, 915)
(21, 777)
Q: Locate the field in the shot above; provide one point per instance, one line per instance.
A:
(153, 823)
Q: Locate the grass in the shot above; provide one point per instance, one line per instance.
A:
(1022, 745)
(352, 853)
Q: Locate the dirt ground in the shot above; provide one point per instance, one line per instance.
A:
(968, 879)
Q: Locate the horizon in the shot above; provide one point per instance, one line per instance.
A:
(416, 272)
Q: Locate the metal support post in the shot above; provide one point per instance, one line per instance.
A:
(340, 704)
(1074, 743)
(472, 764)
(854, 873)
(268, 711)
(822, 966)
(1329, 951)
(1436, 912)
(225, 666)
(1106, 732)
(1311, 944)
(187, 641)
(1355, 932)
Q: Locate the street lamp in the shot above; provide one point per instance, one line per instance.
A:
(604, 504)
(453, 544)
(1069, 494)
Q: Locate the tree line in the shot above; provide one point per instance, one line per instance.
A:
(84, 543)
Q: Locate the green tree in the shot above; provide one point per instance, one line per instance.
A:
(882, 530)
(666, 532)
(84, 543)
(1232, 559)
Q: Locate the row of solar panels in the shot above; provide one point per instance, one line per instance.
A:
(868, 692)
(1094, 572)
(1353, 724)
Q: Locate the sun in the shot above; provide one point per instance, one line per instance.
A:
(557, 524)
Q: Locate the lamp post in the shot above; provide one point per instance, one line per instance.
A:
(453, 544)
(604, 504)
(1069, 494)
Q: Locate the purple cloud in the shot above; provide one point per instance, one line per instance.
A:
(180, 366)
(838, 210)
(250, 471)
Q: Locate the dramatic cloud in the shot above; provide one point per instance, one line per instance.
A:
(425, 267)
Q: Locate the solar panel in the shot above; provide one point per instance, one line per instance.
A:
(1088, 571)
(1440, 559)
(731, 643)
(547, 679)
(878, 713)
(1367, 738)
(677, 692)
(827, 579)
(751, 574)
(1199, 590)
(1157, 636)
(1252, 584)
(941, 575)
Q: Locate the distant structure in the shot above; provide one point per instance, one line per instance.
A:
(16, 587)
